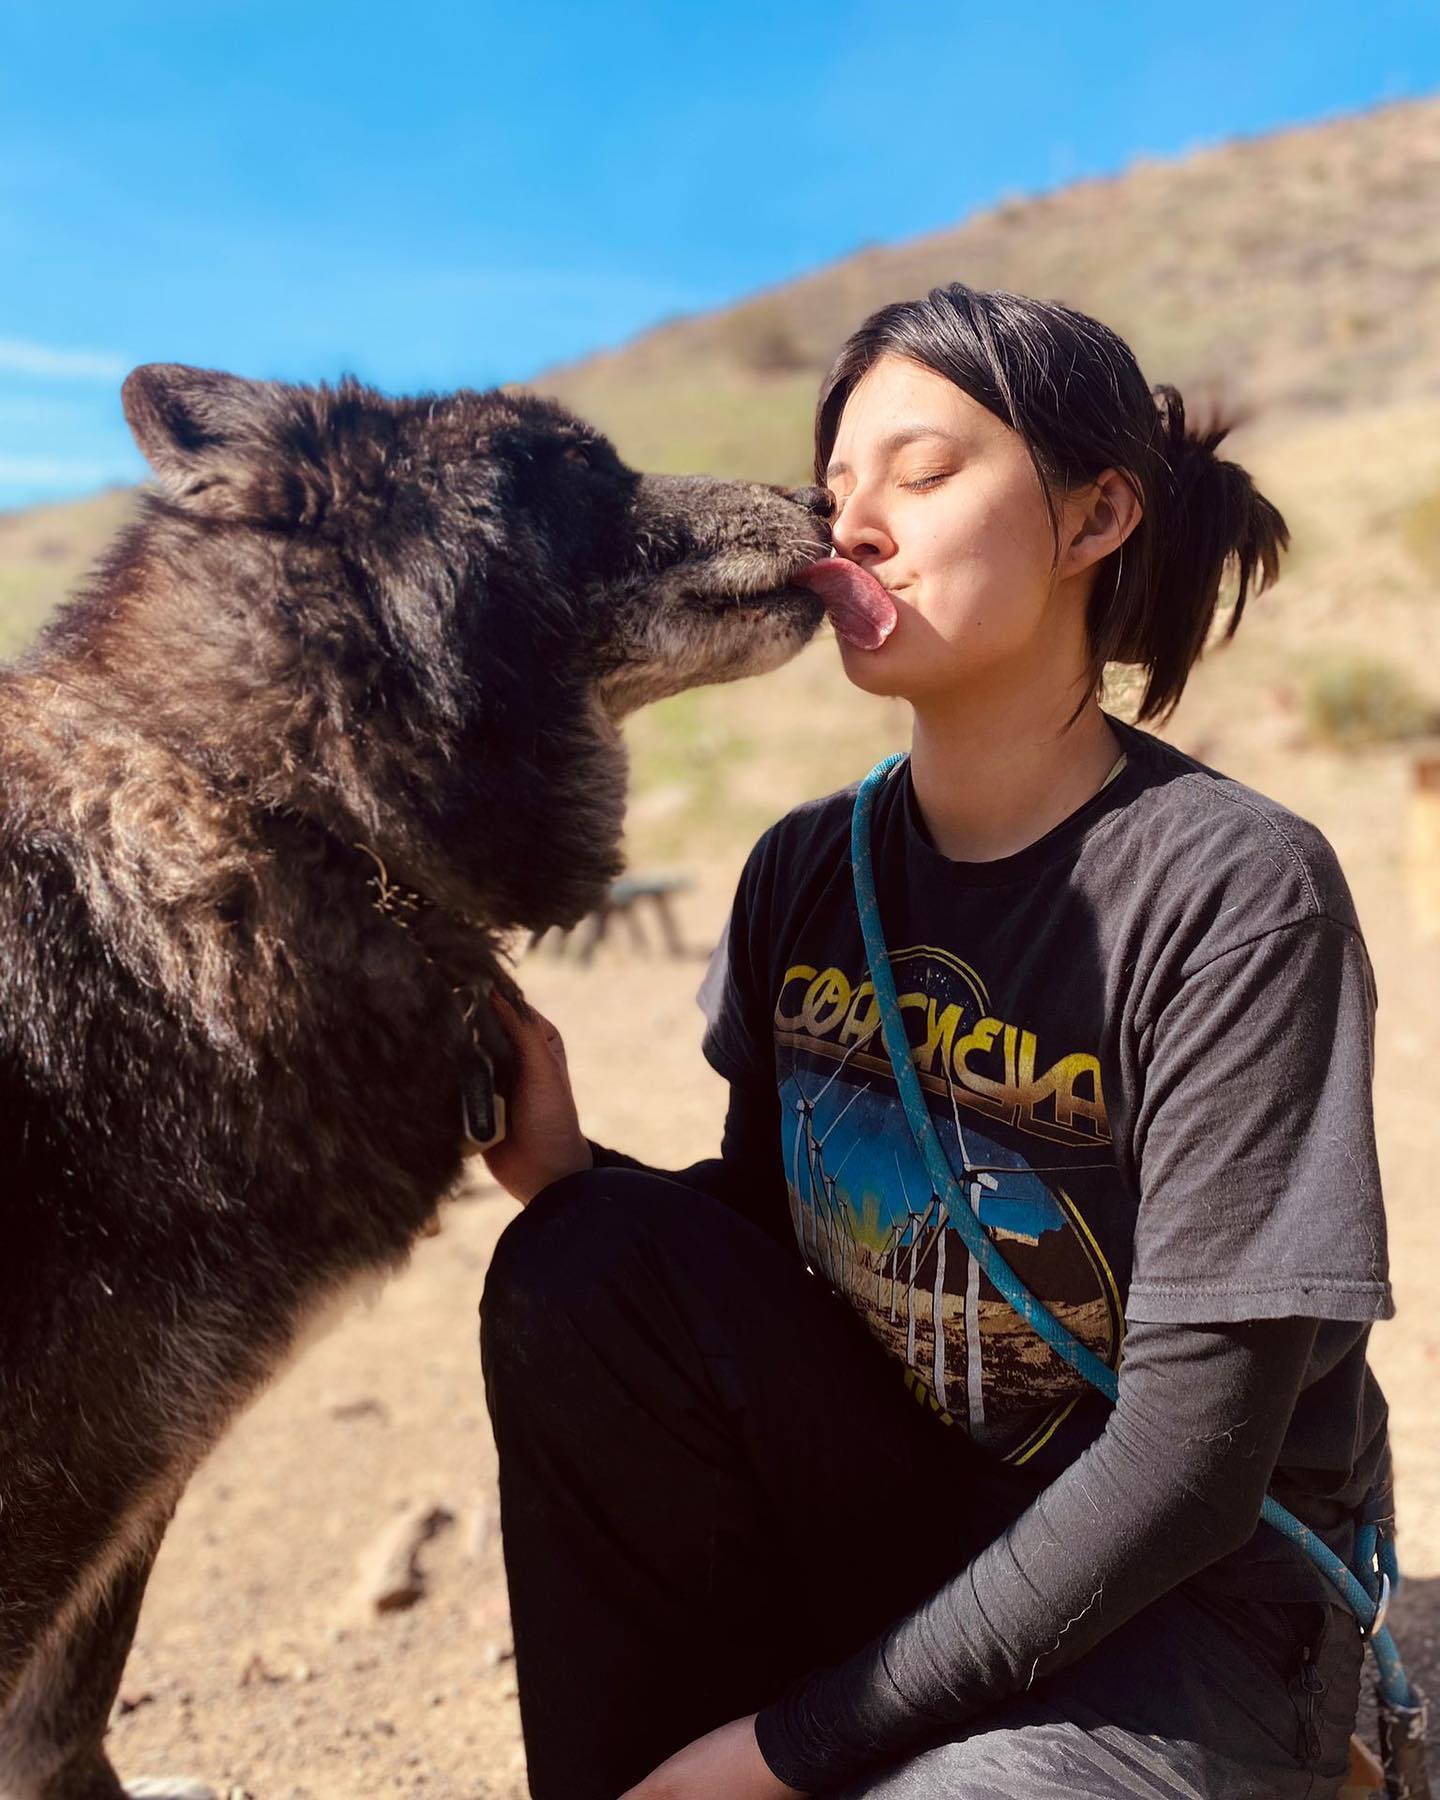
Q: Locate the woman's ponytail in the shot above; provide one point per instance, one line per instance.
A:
(1201, 513)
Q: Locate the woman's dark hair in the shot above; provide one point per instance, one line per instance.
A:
(1073, 391)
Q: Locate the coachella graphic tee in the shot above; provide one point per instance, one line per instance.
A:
(1146, 1043)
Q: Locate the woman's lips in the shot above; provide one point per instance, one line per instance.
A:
(860, 609)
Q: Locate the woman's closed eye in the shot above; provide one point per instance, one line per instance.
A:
(919, 484)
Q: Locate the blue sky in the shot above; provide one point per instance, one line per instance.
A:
(463, 194)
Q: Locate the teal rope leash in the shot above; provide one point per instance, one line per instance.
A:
(1367, 1588)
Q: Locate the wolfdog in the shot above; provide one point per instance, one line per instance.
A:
(359, 664)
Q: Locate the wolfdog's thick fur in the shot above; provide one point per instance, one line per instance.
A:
(228, 1085)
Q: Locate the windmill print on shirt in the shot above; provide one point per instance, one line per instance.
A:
(1026, 1141)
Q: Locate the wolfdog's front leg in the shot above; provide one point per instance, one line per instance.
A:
(52, 1729)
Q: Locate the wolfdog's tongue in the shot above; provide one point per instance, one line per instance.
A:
(859, 608)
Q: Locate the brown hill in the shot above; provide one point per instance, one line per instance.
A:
(44, 551)
(1297, 273)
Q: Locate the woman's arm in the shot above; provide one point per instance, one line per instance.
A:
(1175, 1481)
(748, 1174)
(544, 1142)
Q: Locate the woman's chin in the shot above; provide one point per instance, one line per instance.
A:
(875, 671)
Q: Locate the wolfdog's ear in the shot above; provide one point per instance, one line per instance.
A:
(226, 447)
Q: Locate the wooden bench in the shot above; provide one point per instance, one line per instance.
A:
(623, 902)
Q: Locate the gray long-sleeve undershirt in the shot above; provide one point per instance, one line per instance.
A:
(1174, 1481)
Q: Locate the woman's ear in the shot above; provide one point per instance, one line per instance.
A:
(1101, 516)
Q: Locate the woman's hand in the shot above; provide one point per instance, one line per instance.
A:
(723, 1765)
(543, 1139)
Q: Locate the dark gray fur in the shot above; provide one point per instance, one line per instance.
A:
(228, 1087)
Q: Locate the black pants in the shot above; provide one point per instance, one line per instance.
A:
(701, 1449)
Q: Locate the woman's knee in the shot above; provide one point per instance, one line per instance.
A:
(578, 1240)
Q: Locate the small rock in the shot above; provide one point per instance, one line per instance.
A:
(484, 1530)
(170, 1787)
(391, 1578)
(496, 1653)
(365, 1406)
(128, 1703)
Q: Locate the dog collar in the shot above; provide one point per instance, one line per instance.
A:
(482, 1105)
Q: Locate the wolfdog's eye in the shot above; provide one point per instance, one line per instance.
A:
(574, 453)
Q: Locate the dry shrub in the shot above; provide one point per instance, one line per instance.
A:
(763, 339)
(1352, 699)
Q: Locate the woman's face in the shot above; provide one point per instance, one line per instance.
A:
(939, 500)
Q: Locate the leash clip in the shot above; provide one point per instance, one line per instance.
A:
(482, 1106)
(1382, 1606)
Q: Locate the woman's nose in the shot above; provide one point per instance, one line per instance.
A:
(858, 538)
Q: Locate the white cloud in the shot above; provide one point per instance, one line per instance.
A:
(18, 357)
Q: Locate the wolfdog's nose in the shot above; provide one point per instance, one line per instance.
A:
(814, 499)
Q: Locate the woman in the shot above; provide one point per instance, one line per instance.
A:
(769, 1530)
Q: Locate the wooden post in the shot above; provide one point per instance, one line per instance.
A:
(1425, 840)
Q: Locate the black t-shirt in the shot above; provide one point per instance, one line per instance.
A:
(1146, 1041)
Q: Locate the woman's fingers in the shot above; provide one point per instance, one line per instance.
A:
(527, 1030)
(544, 1139)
